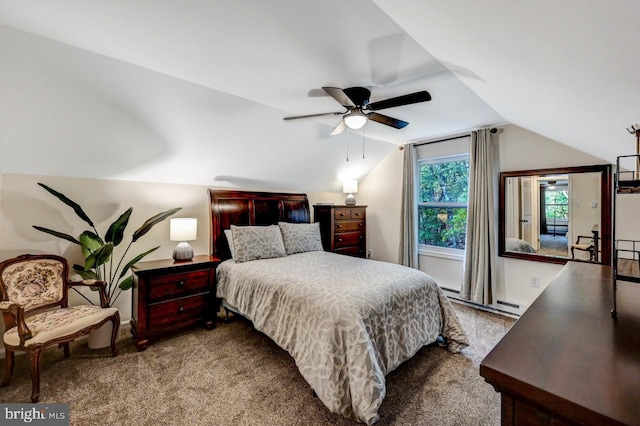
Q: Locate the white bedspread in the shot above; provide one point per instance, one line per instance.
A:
(346, 321)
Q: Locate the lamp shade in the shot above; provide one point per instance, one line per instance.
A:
(183, 229)
(350, 186)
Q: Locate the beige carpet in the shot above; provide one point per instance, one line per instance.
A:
(234, 375)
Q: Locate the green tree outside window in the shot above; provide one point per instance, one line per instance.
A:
(442, 204)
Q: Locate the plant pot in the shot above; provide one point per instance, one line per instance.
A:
(101, 338)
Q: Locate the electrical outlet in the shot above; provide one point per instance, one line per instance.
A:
(369, 253)
(535, 281)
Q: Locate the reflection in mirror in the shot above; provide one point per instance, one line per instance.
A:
(554, 215)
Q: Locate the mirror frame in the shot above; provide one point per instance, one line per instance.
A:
(605, 211)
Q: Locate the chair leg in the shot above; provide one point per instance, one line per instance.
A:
(67, 353)
(34, 361)
(115, 320)
(8, 366)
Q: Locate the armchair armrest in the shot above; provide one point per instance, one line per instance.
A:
(102, 289)
(590, 238)
(16, 310)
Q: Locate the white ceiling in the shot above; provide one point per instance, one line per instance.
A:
(566, 70)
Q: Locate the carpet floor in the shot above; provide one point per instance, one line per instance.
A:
(234, 375)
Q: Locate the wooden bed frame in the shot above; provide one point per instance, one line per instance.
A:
(229, 207)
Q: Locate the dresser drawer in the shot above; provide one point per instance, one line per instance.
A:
(175, 311)
(357, 251)
(175, 285)
(349, 213)
(349, 226)
(348, 239)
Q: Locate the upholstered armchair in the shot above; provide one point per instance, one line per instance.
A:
(584, 246)
(34, 292)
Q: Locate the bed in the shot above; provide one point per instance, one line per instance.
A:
(516, 244)
(346, 321)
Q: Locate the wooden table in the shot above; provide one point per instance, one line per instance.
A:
(566, 360)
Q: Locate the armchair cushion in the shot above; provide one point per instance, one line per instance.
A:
(54, 324)
(34, 283)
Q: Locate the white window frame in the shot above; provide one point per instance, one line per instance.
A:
(427, 249)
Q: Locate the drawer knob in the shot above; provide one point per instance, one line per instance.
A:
(340, 240)
(357, 214)
(181, 309)
(180, 284)
(360, 225)
(342, 214)
(361, 236)
(339, 226)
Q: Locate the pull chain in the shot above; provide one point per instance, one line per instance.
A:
(348, 138)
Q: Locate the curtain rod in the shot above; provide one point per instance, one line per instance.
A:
(493, 130)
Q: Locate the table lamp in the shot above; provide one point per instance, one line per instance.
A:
(183, 229)
(350, 187)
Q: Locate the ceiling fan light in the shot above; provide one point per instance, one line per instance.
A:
(355, 120)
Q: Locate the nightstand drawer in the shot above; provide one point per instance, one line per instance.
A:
(348, 239)
(175, 311)
(175, 285)
(349, 226)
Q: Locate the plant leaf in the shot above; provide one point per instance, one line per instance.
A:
(135, 260)
(75, 206)
(127, 283)
(86, 275)
(57, 234)
(116, 230)
(90, 242)
(152, 221)
(98, 257)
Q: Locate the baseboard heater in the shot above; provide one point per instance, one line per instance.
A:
(511, 305)
(483, 307)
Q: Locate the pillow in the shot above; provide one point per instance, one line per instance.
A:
(301, 237)
(232, 249)
(257, 242)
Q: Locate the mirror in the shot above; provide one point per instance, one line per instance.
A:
(555, 215)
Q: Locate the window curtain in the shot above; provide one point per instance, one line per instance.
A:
(543, 210)
(408, 255)
(480, 254)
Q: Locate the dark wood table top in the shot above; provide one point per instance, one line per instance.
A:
(569, 356)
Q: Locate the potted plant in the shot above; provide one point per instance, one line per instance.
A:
(100, 262)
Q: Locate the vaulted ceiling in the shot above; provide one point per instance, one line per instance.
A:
(195, 91)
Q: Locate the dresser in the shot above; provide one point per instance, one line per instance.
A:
(169, 295)
(566, 361)
(343, 228)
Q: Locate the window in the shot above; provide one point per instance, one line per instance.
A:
(442, 201)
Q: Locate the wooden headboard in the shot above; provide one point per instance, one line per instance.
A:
(251, 208)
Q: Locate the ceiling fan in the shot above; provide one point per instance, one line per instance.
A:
(359, 110)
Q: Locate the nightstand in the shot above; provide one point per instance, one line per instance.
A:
(343, 228)
(169, 295)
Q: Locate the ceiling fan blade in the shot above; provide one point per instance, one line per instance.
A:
(325, 114)
(389, 121)
(339, 95)
(339, 128)
(411, 98)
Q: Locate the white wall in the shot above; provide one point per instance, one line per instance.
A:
(69, 112)
(381, 191)
(23, 204)
(518, 149)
